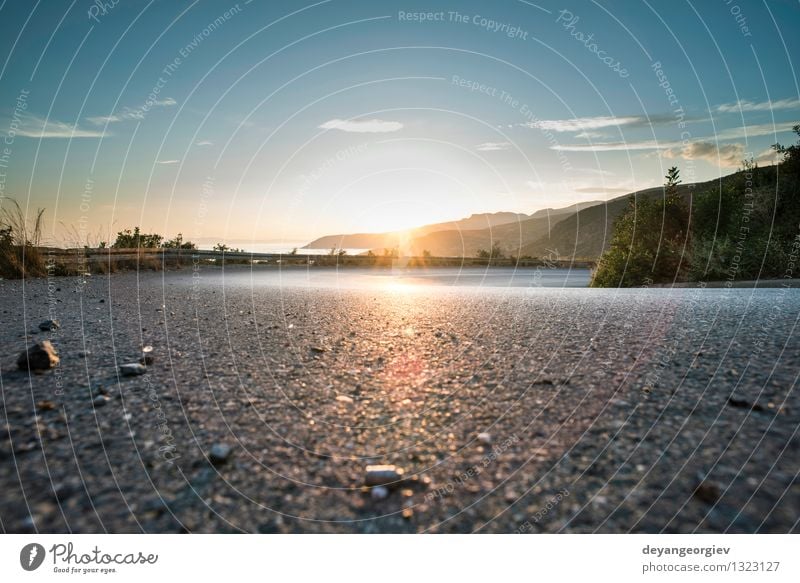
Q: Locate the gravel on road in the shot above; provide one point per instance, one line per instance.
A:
(484, 410)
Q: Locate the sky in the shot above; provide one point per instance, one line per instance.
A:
(284, 121)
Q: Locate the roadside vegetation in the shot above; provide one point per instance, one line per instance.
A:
(19, 242)
(744, 228)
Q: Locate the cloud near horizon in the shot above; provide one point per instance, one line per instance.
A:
(745, 105)
(726, 156)
(602, 190)
(493, 146)
(362, 126)
(736, 133)
(585, 125)
(128, 113)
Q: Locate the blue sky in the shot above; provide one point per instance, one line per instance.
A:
(289, 120)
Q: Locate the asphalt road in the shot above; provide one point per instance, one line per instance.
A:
(606, 411)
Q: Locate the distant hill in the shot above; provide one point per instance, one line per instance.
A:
(392, 239)
(587, 233)
(580, 231)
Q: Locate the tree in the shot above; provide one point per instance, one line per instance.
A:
(494, 253)
(648, 241)
(222, 247)
(673, 179)
(135, 239)
(178, 243)
(790, 155)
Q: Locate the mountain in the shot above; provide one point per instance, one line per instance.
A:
(587, 233)
(581, 231)
(465, 243)
(392, 239)
(511, 236)
(356, 241)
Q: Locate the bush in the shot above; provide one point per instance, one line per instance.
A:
(649, 241)
(178, 243)
(19, 242)
(134, 239)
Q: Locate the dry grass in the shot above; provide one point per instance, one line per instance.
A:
(19, 241)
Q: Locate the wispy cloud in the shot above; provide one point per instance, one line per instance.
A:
(601, 190)
(362, 126)
(612, 146)
(585, 125)
(167, 161)
(129, 113)
(204, 143)
(580, 124)
(745, 105)
(492, 146)
(764, 129)
(737, 133)
(593, 171)
(589, 135)
(31, 126)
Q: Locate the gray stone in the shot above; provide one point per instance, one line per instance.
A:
(40, 356)
(382, 475)
(219, 454)
(379, 493)
(49, 325)
(132, 369)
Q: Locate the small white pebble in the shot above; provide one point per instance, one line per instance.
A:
(484, 438)
(379, 493)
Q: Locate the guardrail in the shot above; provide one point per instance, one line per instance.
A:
(88, 258)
